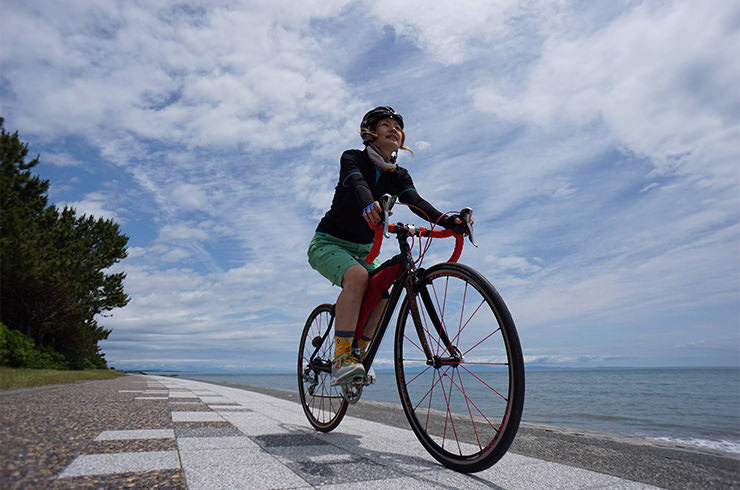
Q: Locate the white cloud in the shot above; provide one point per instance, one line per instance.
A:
(650, 187)
(517, 264)
(454, 32)
(190, 197)
(182, 232)
(661, 78)
(134, 252)
(248, 76)
(174, 255)
(61, 160)
(93, 204)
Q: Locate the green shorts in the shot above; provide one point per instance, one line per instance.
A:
(332, 256)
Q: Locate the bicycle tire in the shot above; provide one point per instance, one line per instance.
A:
(465, 414)
(322, 403)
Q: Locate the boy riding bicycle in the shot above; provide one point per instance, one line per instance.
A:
(343, 237)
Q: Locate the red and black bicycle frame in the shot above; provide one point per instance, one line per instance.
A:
(400, 272)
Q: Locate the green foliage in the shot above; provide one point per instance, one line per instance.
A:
(17, 350)
(53, 264)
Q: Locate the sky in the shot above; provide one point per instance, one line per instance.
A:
(596, 141)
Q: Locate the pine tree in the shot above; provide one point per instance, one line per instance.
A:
(23, 198)
(53, 263)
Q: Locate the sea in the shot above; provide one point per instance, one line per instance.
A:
(689, 406)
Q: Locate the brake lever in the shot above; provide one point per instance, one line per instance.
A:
(386, 203)
(466, 215)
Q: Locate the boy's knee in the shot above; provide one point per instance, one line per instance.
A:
(356, 277)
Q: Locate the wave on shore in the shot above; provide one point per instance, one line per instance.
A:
(721, 445)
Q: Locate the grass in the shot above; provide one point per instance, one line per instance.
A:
(26, 378)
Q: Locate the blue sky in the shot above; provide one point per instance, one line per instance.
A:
(597, 142)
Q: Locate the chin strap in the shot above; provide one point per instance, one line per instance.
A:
(377, 158)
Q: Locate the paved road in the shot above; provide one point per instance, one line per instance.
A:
(147, 431)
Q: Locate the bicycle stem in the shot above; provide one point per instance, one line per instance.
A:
(386, 203)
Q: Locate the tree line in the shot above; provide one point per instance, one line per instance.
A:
(54, 271)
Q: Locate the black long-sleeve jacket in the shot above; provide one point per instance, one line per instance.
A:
(360, 184)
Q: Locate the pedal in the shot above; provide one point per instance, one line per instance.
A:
(348, 381)
(369, 378)
(352, 389)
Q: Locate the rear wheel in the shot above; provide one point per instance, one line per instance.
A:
(322, 403)
(465, 402)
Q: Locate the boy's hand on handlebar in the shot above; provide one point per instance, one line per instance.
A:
(454, 223)
(373, 213)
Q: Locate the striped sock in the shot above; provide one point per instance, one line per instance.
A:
(362, 344)
(342, 346)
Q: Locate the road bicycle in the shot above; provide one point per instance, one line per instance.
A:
(457, 358)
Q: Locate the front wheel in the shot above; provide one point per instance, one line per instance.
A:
(460, 371)
(322, 403)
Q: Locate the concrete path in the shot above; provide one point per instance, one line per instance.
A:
(234, 438)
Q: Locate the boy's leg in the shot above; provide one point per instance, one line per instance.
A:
(367, 334)
(354, 284)
(340, 262)
(372, 322)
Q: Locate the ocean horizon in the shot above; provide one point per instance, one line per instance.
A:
(692, 406)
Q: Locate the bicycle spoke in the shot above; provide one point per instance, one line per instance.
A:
(414, 344)
(462, 313)
(473, 363)
(419, 375)
(429, 391)
(479, 410)
(448, 400)
(469, 320)
(429, 406)
(484, 339)
(444, 298)
(467, 405)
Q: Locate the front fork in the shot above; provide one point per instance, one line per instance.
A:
(417, 287)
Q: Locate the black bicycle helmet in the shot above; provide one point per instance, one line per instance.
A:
(371, 119)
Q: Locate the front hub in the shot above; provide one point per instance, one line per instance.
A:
(453, 360)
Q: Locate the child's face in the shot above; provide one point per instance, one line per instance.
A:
(390, 135)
